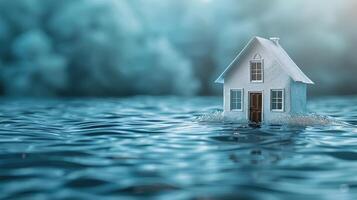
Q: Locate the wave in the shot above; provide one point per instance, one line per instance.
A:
(310, 119)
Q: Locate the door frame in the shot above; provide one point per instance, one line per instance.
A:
(248, 108)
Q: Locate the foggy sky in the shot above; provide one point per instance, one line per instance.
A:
(159, 47)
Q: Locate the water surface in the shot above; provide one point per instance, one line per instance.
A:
(173, 148)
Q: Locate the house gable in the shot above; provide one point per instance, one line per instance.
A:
(239, 74)
(280, 56)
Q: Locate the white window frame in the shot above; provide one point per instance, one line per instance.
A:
(282, 100)
(241, 99)
(261, 61)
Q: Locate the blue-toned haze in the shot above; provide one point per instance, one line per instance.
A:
(122, 47)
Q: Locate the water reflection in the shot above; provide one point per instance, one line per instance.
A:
(259, 145)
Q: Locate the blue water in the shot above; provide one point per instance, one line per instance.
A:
(173, 148)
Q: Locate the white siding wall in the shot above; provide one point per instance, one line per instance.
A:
(298, 97)
(274, 78)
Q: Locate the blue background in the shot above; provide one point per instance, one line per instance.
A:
(156, 47)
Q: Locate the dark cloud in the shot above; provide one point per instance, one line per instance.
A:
(128, 47)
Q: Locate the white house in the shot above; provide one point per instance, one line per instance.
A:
(263, 83)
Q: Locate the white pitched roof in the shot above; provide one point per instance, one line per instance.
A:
(282, 58)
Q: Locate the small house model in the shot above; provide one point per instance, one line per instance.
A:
(263, 83)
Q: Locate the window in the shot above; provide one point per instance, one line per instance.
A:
(277, 100)
(236, 100)
(256, 71)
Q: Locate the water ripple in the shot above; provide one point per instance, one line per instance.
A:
(173, 148)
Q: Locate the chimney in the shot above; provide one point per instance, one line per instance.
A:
(275, 40)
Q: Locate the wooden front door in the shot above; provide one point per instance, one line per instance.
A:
(255, 107)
